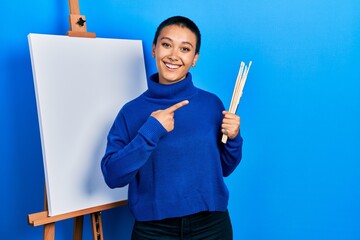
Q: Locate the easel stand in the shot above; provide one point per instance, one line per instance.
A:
(77, 22)
(77, 29)
(43, 218)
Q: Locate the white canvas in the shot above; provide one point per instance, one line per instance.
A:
(80, 85)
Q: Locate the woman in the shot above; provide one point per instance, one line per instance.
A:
(166, 144)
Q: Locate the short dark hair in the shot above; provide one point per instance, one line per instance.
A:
(180, 21)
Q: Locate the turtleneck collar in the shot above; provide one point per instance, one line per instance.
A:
(177, 91)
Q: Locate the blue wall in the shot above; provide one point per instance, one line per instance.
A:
(299, 178)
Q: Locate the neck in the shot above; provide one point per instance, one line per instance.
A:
(176, 91)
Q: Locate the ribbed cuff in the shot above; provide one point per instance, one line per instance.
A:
(152, 130)
(236, 142)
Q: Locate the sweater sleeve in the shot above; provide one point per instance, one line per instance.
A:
(231, 154)
(123, 158)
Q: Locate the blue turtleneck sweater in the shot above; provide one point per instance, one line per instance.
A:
(177, 173)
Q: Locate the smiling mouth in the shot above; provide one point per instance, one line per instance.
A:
(172, 66)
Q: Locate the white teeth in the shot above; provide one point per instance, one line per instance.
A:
(172, 66)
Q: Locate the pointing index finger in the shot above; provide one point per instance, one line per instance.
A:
(176, 106)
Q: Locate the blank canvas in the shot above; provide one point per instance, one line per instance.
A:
(80, 85)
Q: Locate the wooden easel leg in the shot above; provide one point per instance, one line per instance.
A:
(97, 226)
(78, 227)
(49, 231)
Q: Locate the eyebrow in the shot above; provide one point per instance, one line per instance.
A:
(185, 42)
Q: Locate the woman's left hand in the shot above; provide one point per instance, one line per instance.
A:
(230, 124)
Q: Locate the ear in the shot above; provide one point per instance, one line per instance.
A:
(153, 50)
(196, 57)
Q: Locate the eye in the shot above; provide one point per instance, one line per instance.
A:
(165, 45)
(185, 49)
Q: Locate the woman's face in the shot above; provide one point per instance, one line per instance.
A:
(174, 53)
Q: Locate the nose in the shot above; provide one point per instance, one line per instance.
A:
(173, 55)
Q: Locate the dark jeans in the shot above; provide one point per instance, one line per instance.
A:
(203, 225)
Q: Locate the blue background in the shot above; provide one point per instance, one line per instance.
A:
(299, 177)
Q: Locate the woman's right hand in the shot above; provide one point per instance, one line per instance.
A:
(166, 116)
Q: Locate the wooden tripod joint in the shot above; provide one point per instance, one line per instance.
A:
(77, 22)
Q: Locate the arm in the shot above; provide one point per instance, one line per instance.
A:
(122, 158)
(231, 151)
(231, 154)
